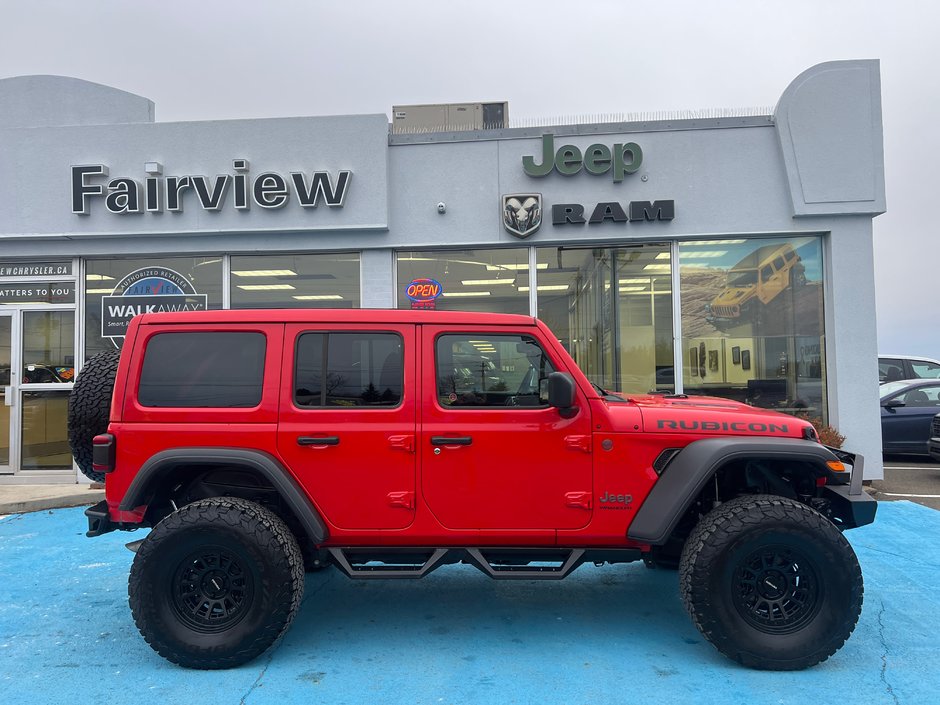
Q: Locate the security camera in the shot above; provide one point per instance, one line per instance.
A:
(442, 207)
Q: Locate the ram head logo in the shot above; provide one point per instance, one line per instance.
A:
(522, 213)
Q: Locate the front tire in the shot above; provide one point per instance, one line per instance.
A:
(216, 583)
(771, 583)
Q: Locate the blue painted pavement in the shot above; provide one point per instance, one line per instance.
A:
(603, 635)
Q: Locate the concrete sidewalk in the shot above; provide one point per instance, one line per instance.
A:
(17, 499)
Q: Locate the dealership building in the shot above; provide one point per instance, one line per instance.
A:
(728, 253)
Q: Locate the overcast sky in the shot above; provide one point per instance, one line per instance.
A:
(214, 59)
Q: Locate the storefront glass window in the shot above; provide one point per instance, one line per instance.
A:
(295, 281)
(612, 310)
(465, 280)
(753, 324)
(118, 289)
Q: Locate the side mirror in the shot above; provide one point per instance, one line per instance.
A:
(893, 403)
(562, 393)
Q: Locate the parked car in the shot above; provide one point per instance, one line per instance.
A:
(258, 444)
(893, 368)
(907, 410)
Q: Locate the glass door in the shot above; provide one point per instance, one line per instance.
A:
(7, 392)
(48, 369)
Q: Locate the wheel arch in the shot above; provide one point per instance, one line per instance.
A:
(168, 466)
(687, 475)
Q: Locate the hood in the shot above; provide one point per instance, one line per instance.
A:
(714, 416)
(732, 295)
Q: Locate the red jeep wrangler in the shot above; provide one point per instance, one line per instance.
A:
(389, 443)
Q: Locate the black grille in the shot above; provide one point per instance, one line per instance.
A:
(935, 427)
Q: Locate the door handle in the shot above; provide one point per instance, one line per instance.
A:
(451, 441)
(322, 441)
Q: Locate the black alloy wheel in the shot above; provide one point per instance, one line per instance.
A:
(776, 590)
(212, 590)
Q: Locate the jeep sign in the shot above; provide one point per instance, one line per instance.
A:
(622, 159)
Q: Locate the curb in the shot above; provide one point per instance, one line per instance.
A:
(38, 504)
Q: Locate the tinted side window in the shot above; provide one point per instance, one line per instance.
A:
(349, 369)
(766, 273)
(890, 369)
(779, 263)
(491, 370)
(191, 369)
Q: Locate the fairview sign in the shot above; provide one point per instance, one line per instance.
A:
(158, 193)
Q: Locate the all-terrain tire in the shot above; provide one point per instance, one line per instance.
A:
(216, 583)
(89, 408)
(771, 583)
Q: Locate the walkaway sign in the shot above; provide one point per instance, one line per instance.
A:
(147, 290)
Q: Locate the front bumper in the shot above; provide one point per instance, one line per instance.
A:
(849, 505)
(933, 447)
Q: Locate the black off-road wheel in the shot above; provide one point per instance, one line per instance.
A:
(771, 583)
(89, 408)
(216, 583)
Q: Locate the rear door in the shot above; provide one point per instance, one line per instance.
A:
(493, 454)
(347, 421)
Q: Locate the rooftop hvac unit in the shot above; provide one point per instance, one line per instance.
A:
(449, 117)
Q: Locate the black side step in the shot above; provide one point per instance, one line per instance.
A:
(409, 565)
(499, 563)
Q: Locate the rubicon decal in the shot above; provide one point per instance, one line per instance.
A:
(753, 427)
(158, 193)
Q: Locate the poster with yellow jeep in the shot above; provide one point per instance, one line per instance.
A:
(753, 321)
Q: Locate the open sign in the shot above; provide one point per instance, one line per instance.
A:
(424, 290)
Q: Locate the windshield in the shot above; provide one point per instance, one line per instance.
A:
(889, 388)
(745, 277)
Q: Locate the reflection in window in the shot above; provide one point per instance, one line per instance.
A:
(612, 310)
(48, 347)
(494, 280)
(349, 369)
(491, 370)
(752, 322)
(296, 281)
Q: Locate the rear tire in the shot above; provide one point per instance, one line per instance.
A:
(216, 583)
(771, 583)
(90, 407)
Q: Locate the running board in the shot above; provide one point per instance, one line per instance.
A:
(413, 564)
(507, 564)
(499, 563)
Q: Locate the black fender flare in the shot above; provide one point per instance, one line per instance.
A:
(690, 470)
(283, 482)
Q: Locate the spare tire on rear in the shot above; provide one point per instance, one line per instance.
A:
(89, 408)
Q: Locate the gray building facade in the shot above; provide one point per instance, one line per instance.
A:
(729, 256)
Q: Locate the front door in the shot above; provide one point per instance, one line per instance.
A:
(37, 367)
(347, 421)
(493, 454)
